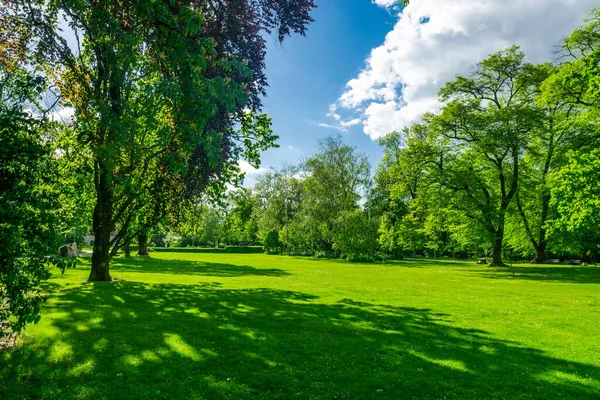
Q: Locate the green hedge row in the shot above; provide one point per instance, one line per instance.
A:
(227, 249)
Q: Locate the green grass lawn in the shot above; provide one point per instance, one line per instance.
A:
(195, 326)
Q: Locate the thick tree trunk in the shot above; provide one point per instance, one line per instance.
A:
(102, 230)
(497, 249)
(540, 254)
(127, 247)
(102, 226)
(497, 253)
(143, 244)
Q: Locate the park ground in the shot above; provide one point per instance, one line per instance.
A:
(212, 326)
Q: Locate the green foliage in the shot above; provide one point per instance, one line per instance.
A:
(576, 192)
(226, 249)
(334, 178)
(356, 239)
(28, 201)
(166, 98)
(272, 244)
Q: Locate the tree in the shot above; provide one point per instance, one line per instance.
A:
(575, 185)
(484, 129)
(557, 133)
(28, 199)
(279, 197)
(161, 92)
(239, 224)
(576, 191)
(334, 179)
(357, 240)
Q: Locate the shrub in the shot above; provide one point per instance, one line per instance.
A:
(272, 243)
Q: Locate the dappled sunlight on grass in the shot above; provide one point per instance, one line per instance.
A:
(228, 338)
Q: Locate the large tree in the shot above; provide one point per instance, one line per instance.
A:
(28, 199)
(484, 129)
(575, 186)
(166, 96)
(556, 134)
(336, 179)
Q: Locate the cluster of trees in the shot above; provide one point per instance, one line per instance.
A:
(509, 164)
(166, 98)
(313, 208)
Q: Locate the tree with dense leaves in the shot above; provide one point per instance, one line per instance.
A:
(28, 200)
(575, 186)
(279, 196)
(483, 130)
(556, 134)
(239, 225)
(166, 96)
(335, 181)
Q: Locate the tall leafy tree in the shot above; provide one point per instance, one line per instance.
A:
(484, 129)
(167, 96)
(335, 181)
(279, 196)
(557, 133)
(574, 187)
(28, 199)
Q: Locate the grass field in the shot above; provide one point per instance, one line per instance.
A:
(192, 326)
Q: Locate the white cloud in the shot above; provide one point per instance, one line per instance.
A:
(351, 122)
(339, 123)
(249, 169)
(329, 126)
(386, 3)
(402, 76)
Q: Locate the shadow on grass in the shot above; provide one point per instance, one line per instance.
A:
(538, 273)
(183, 267)
(133, 340)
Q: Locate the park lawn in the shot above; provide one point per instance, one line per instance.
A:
(211, 326)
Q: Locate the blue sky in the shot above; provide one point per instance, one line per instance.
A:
(307, 74)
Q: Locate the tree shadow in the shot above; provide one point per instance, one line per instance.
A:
(183, 267)
(551, 274)
(134, 340)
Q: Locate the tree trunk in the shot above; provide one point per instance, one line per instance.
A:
(497, 252)
(540, 254)
(102, 226)
(143, 244)
(497, 249)
(127, 247)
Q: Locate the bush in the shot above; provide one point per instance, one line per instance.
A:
(357, 238)
(272, 243)
(226, 249)
(244, 249)
(187, 241)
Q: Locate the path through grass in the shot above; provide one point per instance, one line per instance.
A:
(195, 326)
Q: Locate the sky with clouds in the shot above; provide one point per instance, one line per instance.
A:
(368, 67)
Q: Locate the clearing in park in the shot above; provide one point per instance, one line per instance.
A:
(191, 326)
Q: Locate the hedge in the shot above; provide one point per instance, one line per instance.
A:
(227, 249)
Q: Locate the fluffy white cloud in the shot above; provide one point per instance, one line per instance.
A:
(434, 40)
(249, 169)
(385, 3)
